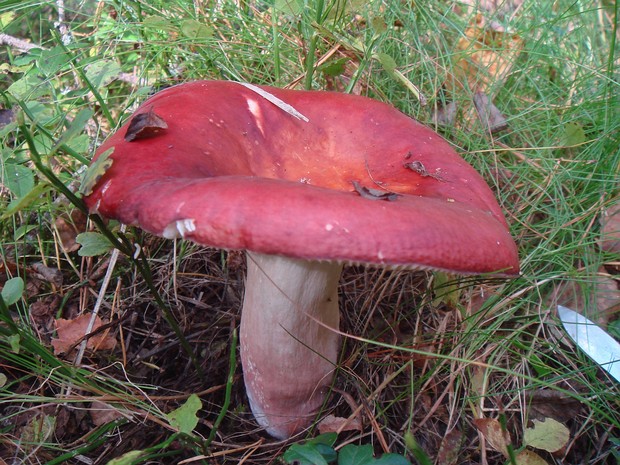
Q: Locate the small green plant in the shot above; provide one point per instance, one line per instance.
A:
(321, 451)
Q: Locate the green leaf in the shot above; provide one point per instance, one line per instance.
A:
(573, 134)
(21, 231)
(362, 455)
(14, 341)
(18, 178)
(614, 329)
(3, 380)
(95, 171)
(93, 244)
(289, 7)
(542, 369)
(29, 87)
(26, 201)
(42, 114)
(77, 125)
(355, 455)
(549, 435)
(6, 18)
(391, 459)
(13, 290)
(306, 454)
(52, 61)
(386, 61)
(158, 22)
(102, 72)
(193, 29)
(184, 418)
(127, 458)
(79, 143)
(334, 67)
(328, 439)
(316, 451)
(378, 24)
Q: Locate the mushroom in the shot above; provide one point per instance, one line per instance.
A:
(305, 182)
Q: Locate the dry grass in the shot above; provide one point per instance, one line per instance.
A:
(427, 359)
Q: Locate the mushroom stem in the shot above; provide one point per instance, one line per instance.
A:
(288, 351)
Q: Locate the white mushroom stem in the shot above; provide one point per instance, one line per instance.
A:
(288, 357)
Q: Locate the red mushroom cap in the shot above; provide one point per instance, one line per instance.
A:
(234, 170)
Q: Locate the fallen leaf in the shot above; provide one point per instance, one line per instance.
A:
(573, 134)
(527, 457)
(333, 424)
(102, 413)
(488, 113)
(12, 290)
(549, 435)
(610, 228)
(37, 431)
(445, 115)
(374, 194)
(93, 244)
(71, 332)
(488, 55)
(128, 458)
(497, 438)
(478, 380)
(450, 447)
(68, 225)
(7, 116)
(47, 274)
(184, 418)
(554, 404)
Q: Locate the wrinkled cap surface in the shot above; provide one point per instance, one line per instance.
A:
(228, 168)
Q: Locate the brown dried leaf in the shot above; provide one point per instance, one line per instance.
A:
(445, 115)
(68, 227)
(489, 114)
(489, 55)
(71, 332)
(47, 274)
(478, 380)
(333, 424)
(492, 431)
(527, 457)
(7, 116)
(450, 447)
(610, 229)
(102, 413)
(548, 403)
(374, 194)
(145, 125)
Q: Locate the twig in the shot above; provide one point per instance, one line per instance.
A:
(65, 33)
(19, 44)
(100, 297)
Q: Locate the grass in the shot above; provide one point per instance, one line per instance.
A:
(426, 359)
